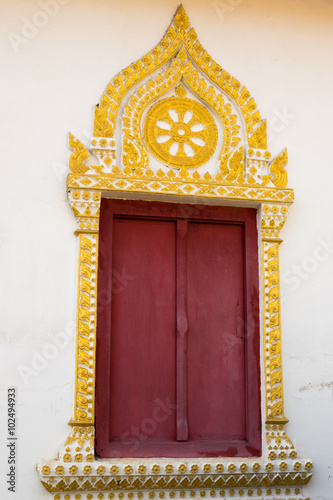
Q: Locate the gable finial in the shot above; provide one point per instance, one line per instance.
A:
(181, 19)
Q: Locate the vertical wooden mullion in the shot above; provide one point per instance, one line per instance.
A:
(182, 328)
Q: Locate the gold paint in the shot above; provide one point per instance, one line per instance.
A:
(85, 359)
(258, 139)
(78, 157)
(174, 119)
(181, 183)
(180, 39)
(277, 165)
(134, 150)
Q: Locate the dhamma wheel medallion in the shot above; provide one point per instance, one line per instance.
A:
(180, 132)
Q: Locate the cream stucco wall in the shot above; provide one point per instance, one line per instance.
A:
(52, 75)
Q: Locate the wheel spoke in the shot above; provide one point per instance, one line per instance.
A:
(167, 145)
(181, 113)
(194, 146)
(167, 118)
(201, 134)
(193, 121)
(181, 150)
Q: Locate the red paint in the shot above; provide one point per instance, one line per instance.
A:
(182, 328)
(216, 373)
(177, 363)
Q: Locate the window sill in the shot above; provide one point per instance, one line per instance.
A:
(149, 478)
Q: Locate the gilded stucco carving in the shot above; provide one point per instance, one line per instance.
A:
(175, 87)
(280, 176)
(180, 132)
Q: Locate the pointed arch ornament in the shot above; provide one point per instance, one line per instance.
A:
(228, 164)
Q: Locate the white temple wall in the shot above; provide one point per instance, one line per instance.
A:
(52, 75)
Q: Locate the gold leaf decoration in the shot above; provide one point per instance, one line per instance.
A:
(78, 157)
(258, 139)
(236, 165)
(102, 127)
(277, 169)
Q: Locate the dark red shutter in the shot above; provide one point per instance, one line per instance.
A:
(178, 334)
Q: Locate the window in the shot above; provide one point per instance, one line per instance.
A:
(177, 365)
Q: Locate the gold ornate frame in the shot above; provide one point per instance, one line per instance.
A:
(246, 177)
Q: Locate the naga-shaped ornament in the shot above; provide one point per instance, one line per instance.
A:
(277, 169)
(78, 157)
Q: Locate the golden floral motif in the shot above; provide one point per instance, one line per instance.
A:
(128, 469)
(87, 469)
(180, 132)
(182, 468)
(142, 469)
(46, 469)
(207, 468)
(156, 469)
(194, 469)
(269, 467)
(243, 467)
(219, 467)
(114, 469)
(231, 468)
(73, 469)
(259, 137)
(59, 469)
(169, 468)
(100, 469)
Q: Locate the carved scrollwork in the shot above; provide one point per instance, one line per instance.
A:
(78, 157)
(277, 169)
